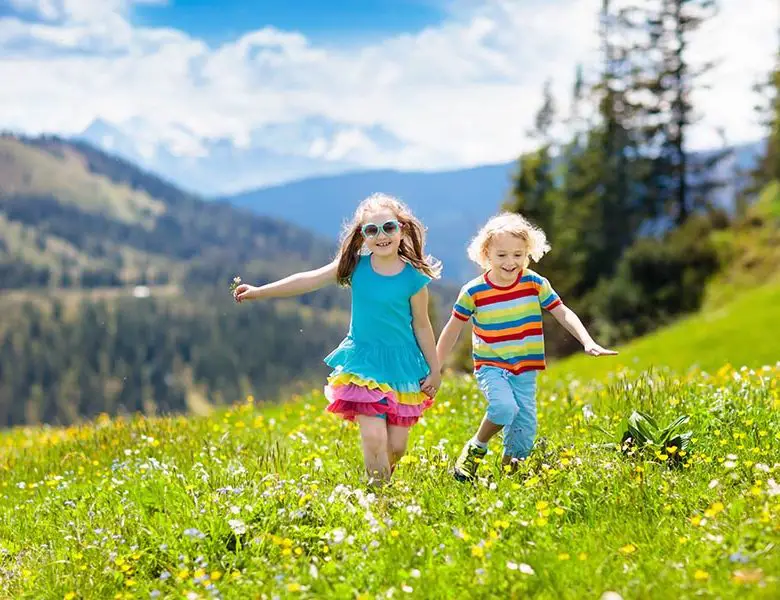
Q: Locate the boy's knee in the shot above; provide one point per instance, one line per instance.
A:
(502, 411)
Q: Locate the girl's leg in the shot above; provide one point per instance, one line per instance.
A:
(397, 438)
(373, 433)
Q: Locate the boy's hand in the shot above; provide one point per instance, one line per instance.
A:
(594, 349)
(243, 292)
(431, 384)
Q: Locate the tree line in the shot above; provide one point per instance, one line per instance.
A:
(632, 213)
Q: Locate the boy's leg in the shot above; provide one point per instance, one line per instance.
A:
(519, 437)
(501, 411)
(487, 429)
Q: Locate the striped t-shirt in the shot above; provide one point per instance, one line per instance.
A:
(507, 321)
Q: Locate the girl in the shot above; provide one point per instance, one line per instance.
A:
(505, 304)
(385, 372)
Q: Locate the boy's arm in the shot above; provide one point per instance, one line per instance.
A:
(448, 338)
(294, 285)
(571, 322)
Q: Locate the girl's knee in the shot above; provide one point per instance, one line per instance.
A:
(375, 441)
(374, 437)
(397, 447)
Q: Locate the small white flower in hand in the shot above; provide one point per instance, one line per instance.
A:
(242, 292)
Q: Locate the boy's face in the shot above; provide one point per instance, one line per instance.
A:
(507, 257)
(381, 242)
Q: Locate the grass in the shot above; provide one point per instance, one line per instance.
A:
(741, 332)
(262, 502)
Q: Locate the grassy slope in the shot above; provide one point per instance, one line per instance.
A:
(261, 503)
(750, 250)
(25, 169)
(742, 332)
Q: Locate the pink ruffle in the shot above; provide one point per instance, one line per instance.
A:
(352, 400)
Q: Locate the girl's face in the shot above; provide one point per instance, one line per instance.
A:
(381, 232)
(507, 257)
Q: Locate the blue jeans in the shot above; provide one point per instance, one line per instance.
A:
(511, 403)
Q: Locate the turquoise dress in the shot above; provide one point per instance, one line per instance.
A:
(378, 367)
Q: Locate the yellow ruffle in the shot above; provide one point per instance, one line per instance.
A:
(411, 398)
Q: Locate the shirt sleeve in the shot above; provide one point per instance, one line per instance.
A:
(419, 281)
(548, 298)
(464, 306)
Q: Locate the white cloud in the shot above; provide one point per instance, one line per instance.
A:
(459, 93)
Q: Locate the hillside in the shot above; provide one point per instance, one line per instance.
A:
(79, 229)
(71, 215)
(740, 332)
(750, 250)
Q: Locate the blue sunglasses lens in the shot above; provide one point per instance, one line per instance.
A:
(390, 227)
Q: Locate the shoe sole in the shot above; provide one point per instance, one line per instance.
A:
(461, 477)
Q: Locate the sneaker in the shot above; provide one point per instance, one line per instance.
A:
(468, 461)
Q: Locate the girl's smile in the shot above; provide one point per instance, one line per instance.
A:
(380, 243)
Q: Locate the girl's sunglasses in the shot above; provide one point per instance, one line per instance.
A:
(371, 230)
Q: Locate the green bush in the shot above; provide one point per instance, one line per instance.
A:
(657, 279)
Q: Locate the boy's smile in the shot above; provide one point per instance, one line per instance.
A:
(507, 257)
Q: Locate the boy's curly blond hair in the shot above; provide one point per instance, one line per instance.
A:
(514, 224)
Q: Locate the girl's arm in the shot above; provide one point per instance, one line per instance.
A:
(294, 285)
(571, 322)
(448, 338)
(423, 331)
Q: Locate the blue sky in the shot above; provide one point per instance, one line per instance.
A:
(326, 21)
(405, 84)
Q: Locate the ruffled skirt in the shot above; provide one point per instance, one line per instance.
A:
(377, 381)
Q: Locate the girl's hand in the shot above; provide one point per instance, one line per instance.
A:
(431, 384)
(243, 292)
(594, 349)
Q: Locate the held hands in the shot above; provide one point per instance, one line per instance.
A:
(594, 349)
(431, 384)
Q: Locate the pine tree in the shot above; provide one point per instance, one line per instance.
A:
(664, 76)
(768, 110)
